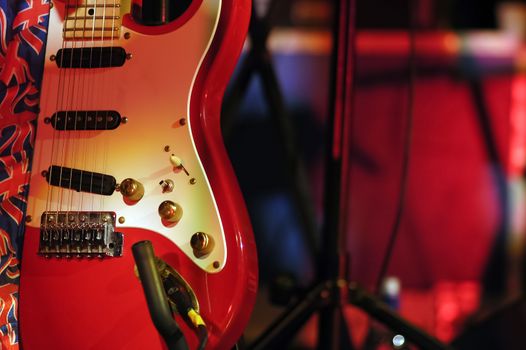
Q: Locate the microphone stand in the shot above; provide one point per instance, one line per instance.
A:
(334, 291)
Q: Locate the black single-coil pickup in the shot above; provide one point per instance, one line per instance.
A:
(81, 180)
(80, 234)
(91, 57)
(85, 120)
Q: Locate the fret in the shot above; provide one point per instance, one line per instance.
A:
(69, 6)
(80, 34)
(76, 18)
(98, 12)
(93, 19)
(90, 25)
(95, 29)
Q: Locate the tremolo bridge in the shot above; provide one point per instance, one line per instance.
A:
(79, 234)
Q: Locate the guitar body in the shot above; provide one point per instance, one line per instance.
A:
(168, 96)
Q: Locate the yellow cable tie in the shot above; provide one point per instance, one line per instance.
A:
(195, 318)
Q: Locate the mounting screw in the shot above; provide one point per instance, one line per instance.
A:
(193, 181)
(124, 120)
(121, 220)
(182, 121)
(52, 58)
(216, 264)
(29, 218)
(47, 120)
(127, 35)
(167, 148)
(129, 56)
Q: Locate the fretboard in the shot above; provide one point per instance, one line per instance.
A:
(92, 19)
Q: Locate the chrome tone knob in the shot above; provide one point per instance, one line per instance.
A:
(131, 189)
(170, 211)
(202, 244)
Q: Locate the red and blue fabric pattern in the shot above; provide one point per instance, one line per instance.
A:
(23, 30)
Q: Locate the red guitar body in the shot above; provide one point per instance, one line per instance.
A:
(169, 94)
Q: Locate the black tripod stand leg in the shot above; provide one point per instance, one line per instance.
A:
(333, 329)
(495, 276)
(383, 313)
(285, 327)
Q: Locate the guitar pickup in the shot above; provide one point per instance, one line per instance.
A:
(85, 120)
(81, 180)
(91, 57)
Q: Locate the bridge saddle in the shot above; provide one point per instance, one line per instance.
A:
(79, 234)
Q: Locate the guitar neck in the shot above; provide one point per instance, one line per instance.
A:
(93, 20)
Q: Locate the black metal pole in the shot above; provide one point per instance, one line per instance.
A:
(155, 12)
(333, 260)
(495, 275)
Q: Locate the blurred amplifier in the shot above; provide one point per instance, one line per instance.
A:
(298, 13)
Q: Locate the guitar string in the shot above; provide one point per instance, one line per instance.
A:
(80, 141)
(64, 137)
(116, 11)
(94, 96)
(56, 135)
(66, 93)
(75, 100)
(91, 134)
(90, 93)
(83, 135)
(103, 100)
(101, 82)
(92, 82)
(69, 147)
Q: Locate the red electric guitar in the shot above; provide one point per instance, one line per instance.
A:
(129, 148)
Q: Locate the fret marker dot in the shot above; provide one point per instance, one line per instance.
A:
(91, 12)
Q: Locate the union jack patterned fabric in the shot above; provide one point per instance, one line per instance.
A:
(23, 30)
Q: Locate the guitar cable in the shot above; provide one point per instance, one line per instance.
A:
(180, 297)
(406, 156)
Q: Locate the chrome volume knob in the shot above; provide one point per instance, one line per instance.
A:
(131, 190)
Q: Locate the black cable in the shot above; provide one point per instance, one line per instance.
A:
(183, 303)
(156, 298)
(407, 149)
(202, 334)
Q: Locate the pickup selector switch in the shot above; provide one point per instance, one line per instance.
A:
(178, 164)
(176, 161)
